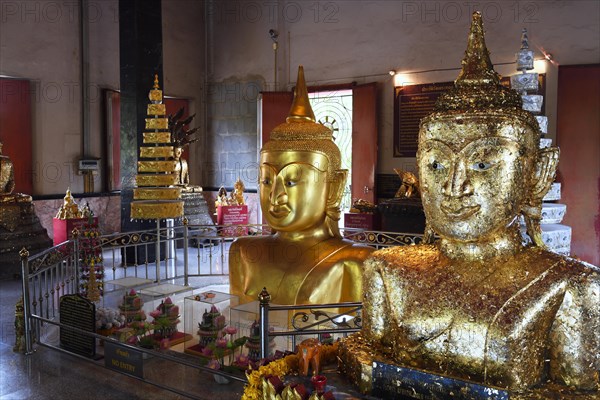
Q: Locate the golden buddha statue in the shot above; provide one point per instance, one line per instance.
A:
(300, 188)
(19, 225)
(237, 195)
(479, 305)
(69, 209)
(7, 182)
(182, 137)
(181, 167)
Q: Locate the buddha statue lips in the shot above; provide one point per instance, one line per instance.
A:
(478, 305)
(279, 212)
(458, 212)
(300, 188)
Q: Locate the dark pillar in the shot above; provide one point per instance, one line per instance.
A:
(140, 41)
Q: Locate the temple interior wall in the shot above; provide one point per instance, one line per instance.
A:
(218, 54)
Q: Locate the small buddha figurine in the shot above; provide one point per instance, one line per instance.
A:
(237, 196)
(7, 182)
(182, 137)
(69, 209)
(478, 304)
(222, 199)
(300, 189)
(181, 169)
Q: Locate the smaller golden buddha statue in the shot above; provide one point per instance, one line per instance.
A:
(300, 188)
(409, 186)
(181, 169)
(237, 196)
(479, 305)
(69, 209)
(19, 225)
(182, 137)
(7, 182)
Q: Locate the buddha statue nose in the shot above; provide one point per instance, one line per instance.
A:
(457, 183)
(278, 192)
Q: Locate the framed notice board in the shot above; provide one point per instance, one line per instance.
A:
(413, 102)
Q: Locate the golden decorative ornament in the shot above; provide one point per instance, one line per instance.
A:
(157, 193)
(156, 180)
(156, 109)
(156, 209)
(156, 152)
(155, 95)
(156, 197)
(156, 137)
(479, 305)
(157, 123)
(300, 189)
(69, 209)
(157, 166)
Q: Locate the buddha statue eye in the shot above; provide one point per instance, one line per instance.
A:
(290, 183)
(436, 166)
(266, 181)
(481, 166)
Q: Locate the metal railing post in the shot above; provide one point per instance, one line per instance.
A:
(264, 298)
(75, 235)
(185, 252)
(157, 252)
(26, 302)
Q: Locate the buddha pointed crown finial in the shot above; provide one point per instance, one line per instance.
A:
(300, 132)
(477, 87)
(301, 111)
(477, 68)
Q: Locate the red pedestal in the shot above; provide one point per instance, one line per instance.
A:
(369, 222)
(63, 228)
(232, 217)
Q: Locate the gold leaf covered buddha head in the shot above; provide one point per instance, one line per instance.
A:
(479, 160)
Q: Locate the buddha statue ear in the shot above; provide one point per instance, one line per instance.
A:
(542, 178)
(336, 188)
(334, 197)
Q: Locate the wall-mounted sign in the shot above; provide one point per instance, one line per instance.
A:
(413, 102)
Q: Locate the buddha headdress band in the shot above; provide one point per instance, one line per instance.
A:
(478, 90)
(301, 132)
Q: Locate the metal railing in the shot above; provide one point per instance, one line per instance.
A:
(188, 251)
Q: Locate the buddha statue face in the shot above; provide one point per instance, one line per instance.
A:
(293, 189)
(177, 152)
(474, 176)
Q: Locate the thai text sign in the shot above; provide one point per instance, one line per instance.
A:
(123, 359)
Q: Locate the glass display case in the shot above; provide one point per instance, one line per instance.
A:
(207, 319)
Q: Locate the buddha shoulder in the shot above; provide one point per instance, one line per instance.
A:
(356, 251)
(406, 257)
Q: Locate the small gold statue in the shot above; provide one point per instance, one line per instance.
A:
(182, 137)
(300, 188)
(409, 186)
(479, 305)
(237, 196)
(363, 206)
(222, 199)
(7, 182)
(69, 209)
(181, 169)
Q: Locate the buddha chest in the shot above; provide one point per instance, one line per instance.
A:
(486, 323)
